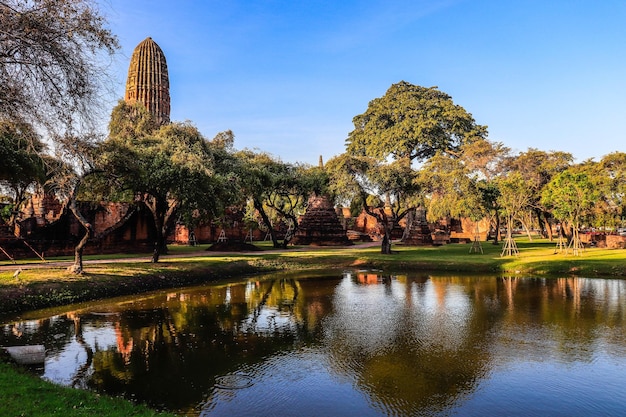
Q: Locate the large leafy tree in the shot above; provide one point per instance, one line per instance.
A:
(538, 168)
(409, 123)
(571, 194)
(412, 122)
(513, 199)
(451, 189)
(611, 174)
(53, 58)
(66, 182)
(484, 161)
(172, 169)
(51, 61)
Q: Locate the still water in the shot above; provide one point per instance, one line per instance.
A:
(348, 344)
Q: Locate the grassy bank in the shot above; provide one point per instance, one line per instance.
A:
(47, 285)
(25, 395)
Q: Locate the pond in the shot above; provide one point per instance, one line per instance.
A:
(352, 343)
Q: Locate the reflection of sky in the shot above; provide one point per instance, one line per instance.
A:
(61, 365)
(444, 318)
(533, 389)
(295, 383)
(369, 314)
(608, 292)
(267, 319)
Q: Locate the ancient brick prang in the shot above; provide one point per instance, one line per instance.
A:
(148, 81)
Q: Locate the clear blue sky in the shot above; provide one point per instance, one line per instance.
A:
(288, 76)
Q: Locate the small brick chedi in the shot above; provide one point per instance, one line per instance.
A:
(148, 80)
(320, 225)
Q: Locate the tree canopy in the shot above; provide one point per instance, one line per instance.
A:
(51, 60)
(571, 194)
(412, 122)
(387, 191)
(23, 163)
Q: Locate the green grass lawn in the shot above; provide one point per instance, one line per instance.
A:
(23, 394)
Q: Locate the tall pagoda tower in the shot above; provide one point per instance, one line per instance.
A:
(148, 80)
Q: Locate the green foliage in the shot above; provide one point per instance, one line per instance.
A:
(173, 163)
(538, 167)
(24, 164)
(278, 191)
(412, 122)
(513, 194)
(450, 189)
(611, 178)
(372, 181)
(571, 195)
(408, 123)
(130, 121)
(484, 159)
(388, 191)
(489, 195)
(5, 212)
(21, 155)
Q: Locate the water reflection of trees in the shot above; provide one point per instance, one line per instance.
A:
(169, 349)
(424, 343)
(409, 342)
(421, 345)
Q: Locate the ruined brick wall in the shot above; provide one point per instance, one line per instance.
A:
(109, 214)
(466, 230)
(615, 242)
(43, 208)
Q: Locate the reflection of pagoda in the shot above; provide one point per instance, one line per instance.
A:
(148, 80)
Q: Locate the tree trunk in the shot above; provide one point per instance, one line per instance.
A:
(527, 229)
(291, 232)
(259, 207)
(381, 218)
(15, 212)
(162, 210)
(497, 236)
(385, 247)
(542, 225)
(566, 230)
(160, 246)
(77, 267)
(548, 226)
